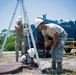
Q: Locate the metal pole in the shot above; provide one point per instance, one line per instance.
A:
(33, 41)
(8, 29)
(25, 20)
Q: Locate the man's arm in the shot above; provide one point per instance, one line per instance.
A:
(45, 38)
(17, 27)
(56, 38)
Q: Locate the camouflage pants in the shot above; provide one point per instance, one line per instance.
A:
(57, 52)
(18, 46)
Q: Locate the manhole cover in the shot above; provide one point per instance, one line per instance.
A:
(9, 67)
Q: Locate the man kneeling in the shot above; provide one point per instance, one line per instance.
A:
(28, 58)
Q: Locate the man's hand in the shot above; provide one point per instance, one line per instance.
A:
(26, 31)
(48, 43)
(17, 27)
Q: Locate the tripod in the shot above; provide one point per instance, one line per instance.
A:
(27, 26)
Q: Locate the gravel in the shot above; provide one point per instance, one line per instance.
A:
(69, 62)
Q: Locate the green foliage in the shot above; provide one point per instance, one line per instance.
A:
(13, 32)
(9, 47)
(1, 41)
(3, 32)
(0, 46)
(10, 44)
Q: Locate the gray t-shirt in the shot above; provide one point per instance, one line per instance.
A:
(52, 29)
(25, 59)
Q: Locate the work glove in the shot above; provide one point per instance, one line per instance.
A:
(26, 31)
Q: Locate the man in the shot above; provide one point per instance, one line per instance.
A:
(28, 58)
(59, 36)
(47, 47)
(19, 44)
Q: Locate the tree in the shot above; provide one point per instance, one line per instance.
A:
(10, 40)
(10, 44)
(12, 32)
(1, 34)
(3, 31)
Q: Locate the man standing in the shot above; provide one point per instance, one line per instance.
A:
(59, 36)
(19, 44)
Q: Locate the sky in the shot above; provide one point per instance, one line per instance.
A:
(55, 9)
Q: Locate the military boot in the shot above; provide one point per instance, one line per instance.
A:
(53, 65)
(17, 56)
(59, 67)
(58, 70)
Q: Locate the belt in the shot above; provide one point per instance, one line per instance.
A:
(63, 33)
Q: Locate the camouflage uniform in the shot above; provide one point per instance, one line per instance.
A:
(57, 52)
(19, 40)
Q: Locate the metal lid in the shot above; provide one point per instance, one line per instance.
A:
(10, 67)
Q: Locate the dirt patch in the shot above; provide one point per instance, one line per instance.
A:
(69, 62)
